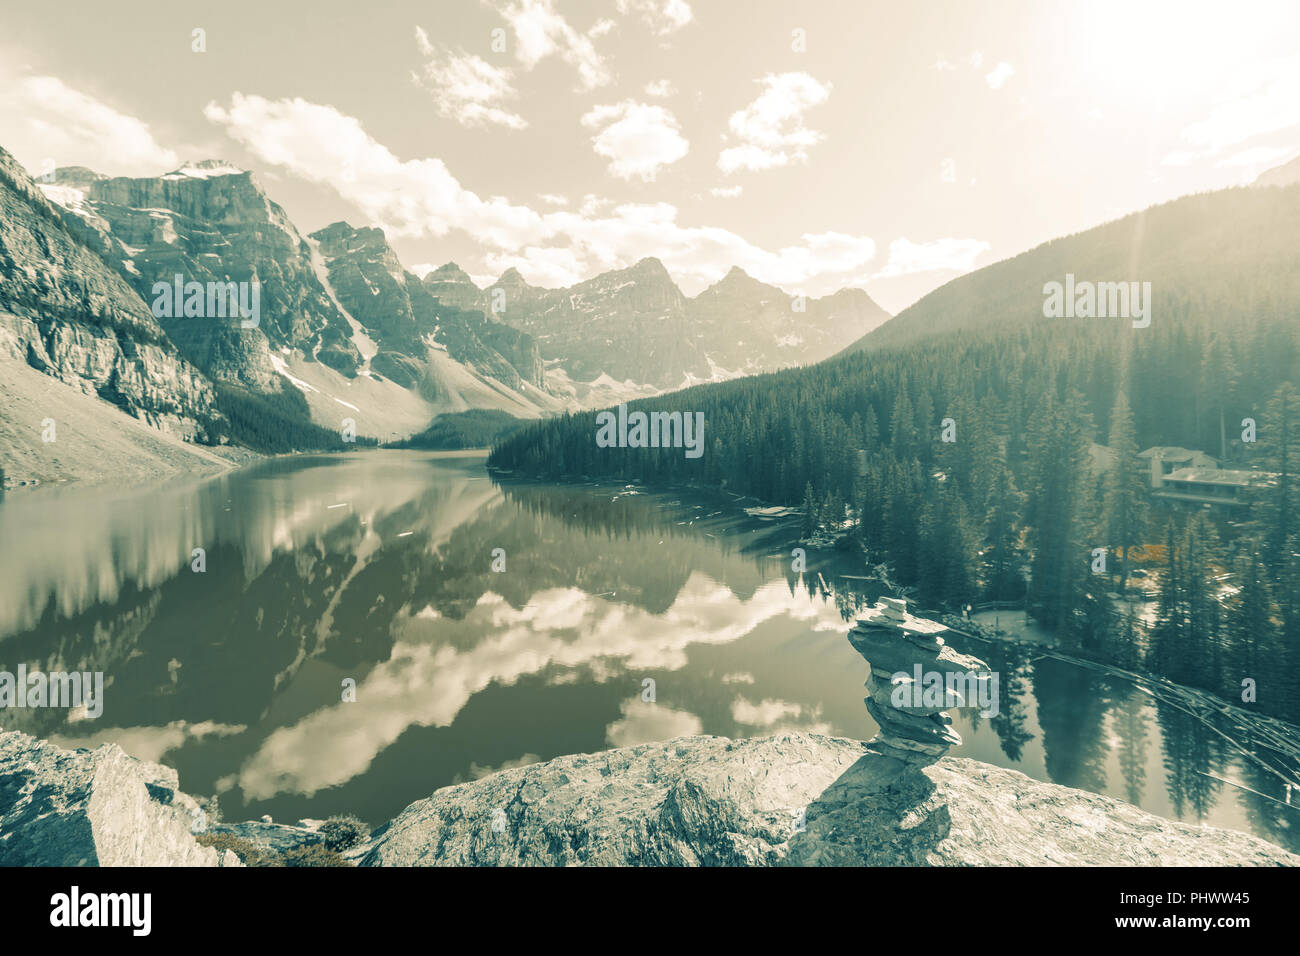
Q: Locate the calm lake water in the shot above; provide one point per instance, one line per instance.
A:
(378, 567)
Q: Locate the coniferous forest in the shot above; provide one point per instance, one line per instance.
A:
(1015, 503)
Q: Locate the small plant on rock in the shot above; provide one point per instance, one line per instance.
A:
(312, 854)
(249, 853)
(343, 833)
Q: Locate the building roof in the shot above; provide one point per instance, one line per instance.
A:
(1102, 456)
(1240, 478)
(1173, 453)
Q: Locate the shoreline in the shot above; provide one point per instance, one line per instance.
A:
(244, 458)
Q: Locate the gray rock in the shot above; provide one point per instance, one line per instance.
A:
(888, 653)
(931, 729)
(96, 807)
(636, 324)
(882, 692)
(791, 799)
(67, 314)
(401, 313)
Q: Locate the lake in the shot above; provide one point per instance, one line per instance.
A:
(617, 617)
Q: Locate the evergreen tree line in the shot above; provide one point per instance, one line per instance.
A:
(1017, 504)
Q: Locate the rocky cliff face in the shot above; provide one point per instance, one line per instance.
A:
(94, 808)
(635, 325)
(406, 316)
(794, 800)
(210, 222)
(65, 312)
(340, 299)
(452, 286)
(746, 326)
(630, 324)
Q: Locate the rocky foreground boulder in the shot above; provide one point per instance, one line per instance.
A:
(97, 807)
(792, 799)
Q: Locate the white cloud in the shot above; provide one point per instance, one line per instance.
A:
(550, 268)
(663, 16)
(466, 87)
(149, 743)
(1258, 156)
(541, 32)
(660, 88)
(593, 204)
(778, 716)
(428, 680)
(637, 138)
(553, 199)
(941, 255)
(421, 197)
(998, 77)
(412, 198)
(46, 122)
(770, 129)
(726, 192)
(644, 723)
(1264, 98)
(763, 714)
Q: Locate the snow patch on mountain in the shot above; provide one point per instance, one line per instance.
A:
(363, 342)
(204, 170)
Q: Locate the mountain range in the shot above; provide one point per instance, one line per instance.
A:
(635, 324)
(344, 330)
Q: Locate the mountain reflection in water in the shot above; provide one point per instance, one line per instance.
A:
(378, 567)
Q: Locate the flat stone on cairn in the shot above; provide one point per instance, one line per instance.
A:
(894, 643)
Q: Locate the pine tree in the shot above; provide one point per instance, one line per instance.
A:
(1124, 511)
(1170, 617)
(1058, 507)
(1252, 630)
(1218, 380)
(902, 429)
(810, 511)
(1276, 507)
(1003, 561)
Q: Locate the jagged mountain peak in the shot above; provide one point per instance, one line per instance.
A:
(849, 292)
(342, 235)
(647, 273)
(205, 169)
(512, 279)
(738, 280)
(449, 272)
(453, 287)
(342, 227)
(649, 264)
(77, 176)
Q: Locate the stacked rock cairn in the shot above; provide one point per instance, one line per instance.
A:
(894, 643)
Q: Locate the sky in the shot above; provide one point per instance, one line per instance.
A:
(817, 145)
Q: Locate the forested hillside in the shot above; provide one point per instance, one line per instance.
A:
(1018, 501)
(1235, 248)
(476, 428)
